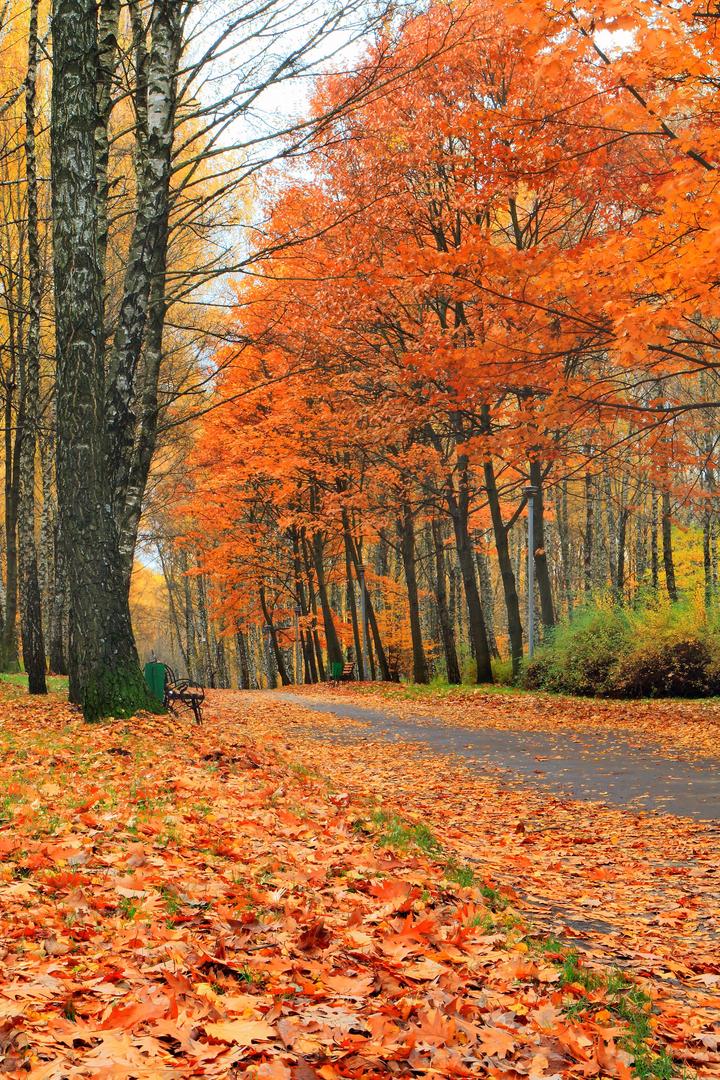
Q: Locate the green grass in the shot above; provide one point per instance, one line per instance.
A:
(619, 995)
(396, 833)
(57, 684)
(438, 690)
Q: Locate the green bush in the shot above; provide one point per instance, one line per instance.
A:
(580, 657)
(654, 651)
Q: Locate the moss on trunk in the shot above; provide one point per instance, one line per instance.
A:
(121, 692)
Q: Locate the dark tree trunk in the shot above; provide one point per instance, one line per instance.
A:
(507, 573)
(561, 513)
(30, 599)
(313, 608)
(588, 535)
(612, 530)
(352, 607)
(542, 572)
(59, 613)
(334, 649)
(654, 559)
(9, 646)
(458, 505)
(447, 630)
(305, 635)
(371, 618)
(272, 634)
(622, 525)
(707, 558)
(406, 533)
(667, 550)
(223, 679)
(106, 673)
(242, 659)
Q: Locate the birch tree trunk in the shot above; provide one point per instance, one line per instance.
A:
(30, 600)
(105, 677)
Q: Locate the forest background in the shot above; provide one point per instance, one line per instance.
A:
(333, 352)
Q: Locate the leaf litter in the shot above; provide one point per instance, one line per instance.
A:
(239, 900)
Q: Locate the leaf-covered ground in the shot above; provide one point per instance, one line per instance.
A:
(247, 900)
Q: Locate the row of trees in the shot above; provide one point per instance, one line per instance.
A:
(132, 135)
(503, 277)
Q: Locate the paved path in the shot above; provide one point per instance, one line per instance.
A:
(608, 767)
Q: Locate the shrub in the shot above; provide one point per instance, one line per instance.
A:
(658, 650)
(676, 666)
(581, 656)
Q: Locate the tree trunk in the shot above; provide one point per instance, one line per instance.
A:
(621, 544)
(106, 674)
(654, 560)
(352, 607)
(406, 533)
(667, 551)
(242, 658)
(458, 505)
(542, 572)
(30, 599)
(371, 618)
(447, 630)
(588, 535)
(561, 513)
(272, 635)
(223, 677)
(9, 646)
(313, 608)
(507, 574)
(332, 641)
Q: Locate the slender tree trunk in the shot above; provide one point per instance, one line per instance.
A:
(612, 530)
(223, 679)
(352, 606)
(486, 598)
(30, 598)
(668, 560)
(242, 659)
(371, 618)
(561, 513)
(588, 534)
(542, 572)
(447, 630)
(59, 612)
(406, 533)
(458, 505)
(174, 615)
(9, 647)
(206, 651)
(622, 524)
(334, 649)
(507, 573)
(654, 559)
(272, 634)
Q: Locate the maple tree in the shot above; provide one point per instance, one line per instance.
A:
(498, 291)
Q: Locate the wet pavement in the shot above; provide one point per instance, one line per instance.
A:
(605, 766)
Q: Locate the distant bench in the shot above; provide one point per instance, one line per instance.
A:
(342, 672)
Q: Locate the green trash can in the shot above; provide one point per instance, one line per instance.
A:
(155, 678)
(336, 669)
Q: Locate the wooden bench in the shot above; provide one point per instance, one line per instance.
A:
(346, 675)
(183, 692)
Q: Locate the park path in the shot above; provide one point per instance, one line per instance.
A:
(603, 766)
